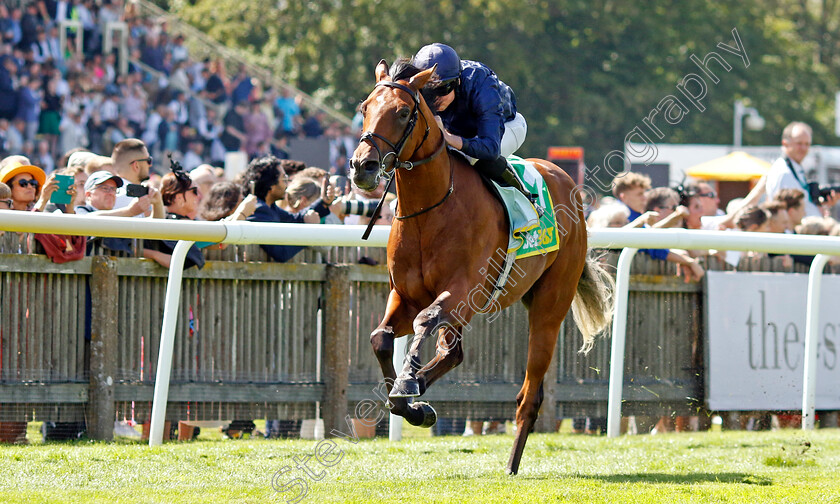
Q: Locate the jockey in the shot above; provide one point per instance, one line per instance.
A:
(476, 112)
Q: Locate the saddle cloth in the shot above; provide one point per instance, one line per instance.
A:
(529, 234)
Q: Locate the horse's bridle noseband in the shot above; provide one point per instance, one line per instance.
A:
(396, 149)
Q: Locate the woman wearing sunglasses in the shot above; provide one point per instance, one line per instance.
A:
(475, 110)
(25, 181)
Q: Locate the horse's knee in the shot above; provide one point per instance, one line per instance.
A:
(382, 341)
(428, 319)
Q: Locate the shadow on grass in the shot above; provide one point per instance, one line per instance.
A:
(682, 479)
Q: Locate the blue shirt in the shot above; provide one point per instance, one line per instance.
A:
(482, 106)
(661, 254)
(272, 213)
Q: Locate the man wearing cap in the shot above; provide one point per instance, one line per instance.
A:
(101, 194)
(475, 110)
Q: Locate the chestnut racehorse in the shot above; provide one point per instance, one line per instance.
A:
(449, 231)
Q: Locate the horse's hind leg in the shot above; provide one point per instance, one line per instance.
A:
(396, 322)
(545, 316)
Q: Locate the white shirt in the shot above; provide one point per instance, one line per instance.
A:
(123, 200)
(780, 177)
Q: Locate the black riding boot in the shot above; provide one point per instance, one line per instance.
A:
(501, 171)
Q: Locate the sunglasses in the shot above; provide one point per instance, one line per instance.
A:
(8, 203)
(671, 207)
(106, 189)
(444, 89)
(710, 194)
(148, 160)
(30, 182)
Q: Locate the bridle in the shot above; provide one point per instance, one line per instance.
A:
(390, 161)
(393, 156)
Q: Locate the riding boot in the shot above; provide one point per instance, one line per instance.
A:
(501, 171)
(509, 177)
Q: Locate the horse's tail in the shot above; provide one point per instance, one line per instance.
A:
(594, 302)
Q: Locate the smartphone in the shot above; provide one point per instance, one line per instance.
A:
(60, 196)
(136, 190)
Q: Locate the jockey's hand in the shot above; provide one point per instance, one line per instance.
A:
(453, 140)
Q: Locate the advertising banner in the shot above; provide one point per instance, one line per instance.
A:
(755, 354)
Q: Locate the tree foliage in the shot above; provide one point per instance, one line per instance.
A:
(585, 72)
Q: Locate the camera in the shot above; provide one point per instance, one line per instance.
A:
(136, 190)
(818, 193)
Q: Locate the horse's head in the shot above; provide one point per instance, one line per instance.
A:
(391, 112)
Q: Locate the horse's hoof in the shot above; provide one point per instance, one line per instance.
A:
(405, 387)
(429, 413)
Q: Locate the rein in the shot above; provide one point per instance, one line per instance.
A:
(396, 152)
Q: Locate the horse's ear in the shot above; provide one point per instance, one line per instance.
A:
(381, 70)
(420, 79)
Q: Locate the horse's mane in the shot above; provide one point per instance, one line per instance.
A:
(403, 69)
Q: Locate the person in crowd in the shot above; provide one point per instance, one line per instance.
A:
(97, 163)
(50, 117)
(101, 196)
(779, 219)
(755, 219)
(664, 201)
(6, 202)
(73, 130)
(51, 186)
(787, 171)
(257, 128)
(613, 215)
(288, 108)
(181, 198)
(204, 176)
(270, 182)
(193, 157)
(132, 162)
(794, 202)
(29, 105)
(233, 136)
(224, 201)
(25, 182)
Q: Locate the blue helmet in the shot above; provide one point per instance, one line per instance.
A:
(448, 62)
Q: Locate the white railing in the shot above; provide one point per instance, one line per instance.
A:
(188, 232)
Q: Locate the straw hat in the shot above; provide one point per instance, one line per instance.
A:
(9, 171)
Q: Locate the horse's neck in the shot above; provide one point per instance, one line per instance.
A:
(425, 185)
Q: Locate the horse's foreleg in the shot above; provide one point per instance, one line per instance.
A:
(449, 355)
(382, 341)
(427, 322)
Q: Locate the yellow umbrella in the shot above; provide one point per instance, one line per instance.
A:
(735, 167)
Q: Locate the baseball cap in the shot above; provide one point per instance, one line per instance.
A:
(100, 177)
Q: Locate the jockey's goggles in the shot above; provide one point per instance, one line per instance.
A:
(444, 88)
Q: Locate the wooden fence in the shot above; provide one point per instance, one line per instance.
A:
(267, 340)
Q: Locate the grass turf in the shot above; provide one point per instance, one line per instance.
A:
(783, 466)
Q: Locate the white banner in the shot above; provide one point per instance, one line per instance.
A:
(756, 341)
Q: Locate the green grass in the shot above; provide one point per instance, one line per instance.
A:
(783, 466)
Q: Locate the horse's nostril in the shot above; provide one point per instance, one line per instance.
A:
(371, 165)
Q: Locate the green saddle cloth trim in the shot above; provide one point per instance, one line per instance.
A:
(528, 235)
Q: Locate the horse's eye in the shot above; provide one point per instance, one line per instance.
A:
(403, 113)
